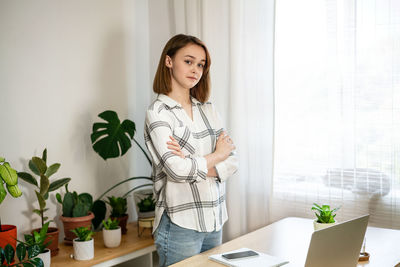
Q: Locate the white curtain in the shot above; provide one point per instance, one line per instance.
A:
(337, 117)
(239, 35)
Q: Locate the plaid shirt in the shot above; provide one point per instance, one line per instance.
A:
(181, 186)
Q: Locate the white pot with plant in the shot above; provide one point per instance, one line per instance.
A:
(36, 242)
(83, 245)
(111, 233)
(325, 216)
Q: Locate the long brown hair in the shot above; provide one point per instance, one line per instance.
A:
(162, 79)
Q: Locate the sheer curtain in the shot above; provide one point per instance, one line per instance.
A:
(337, 116)
(239, 35)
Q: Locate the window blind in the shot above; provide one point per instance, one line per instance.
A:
(337, 109)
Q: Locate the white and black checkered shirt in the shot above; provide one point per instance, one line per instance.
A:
(182, 189)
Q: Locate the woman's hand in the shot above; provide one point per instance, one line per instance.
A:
(224, 146)
(176, 149)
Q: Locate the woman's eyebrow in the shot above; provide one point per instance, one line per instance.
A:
(194, 57)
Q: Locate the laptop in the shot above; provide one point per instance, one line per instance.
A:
(338, 245)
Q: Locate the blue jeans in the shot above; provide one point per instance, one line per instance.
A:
(175, 243)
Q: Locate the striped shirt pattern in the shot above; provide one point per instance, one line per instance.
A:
(181, 186)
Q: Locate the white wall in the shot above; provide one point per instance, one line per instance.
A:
(61, 64)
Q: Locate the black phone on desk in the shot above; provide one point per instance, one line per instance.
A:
(239, 255)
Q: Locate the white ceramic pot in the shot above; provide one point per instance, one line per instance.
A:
(319, 226)
(46, 257)
(83, 250)
(112, 238)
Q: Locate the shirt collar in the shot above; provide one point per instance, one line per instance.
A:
(172, 103)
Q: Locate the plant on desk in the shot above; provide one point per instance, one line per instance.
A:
(146, 206)
(76, 212)
(9, 178)
(39, 167)
(83, 244)
(112, 139)
(119, 208)
(38, 241)
(111, 233)
(325, 216)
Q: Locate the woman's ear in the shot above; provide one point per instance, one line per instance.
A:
(168, 62)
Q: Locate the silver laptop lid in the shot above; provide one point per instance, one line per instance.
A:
(338, 245)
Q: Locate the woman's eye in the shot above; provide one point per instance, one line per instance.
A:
(188, 62)
(201, 65)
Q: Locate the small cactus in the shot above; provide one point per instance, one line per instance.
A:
(75, 205)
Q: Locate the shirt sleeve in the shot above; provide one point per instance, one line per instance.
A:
(229, 166)
(158, 129)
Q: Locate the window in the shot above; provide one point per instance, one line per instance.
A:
(337, 108)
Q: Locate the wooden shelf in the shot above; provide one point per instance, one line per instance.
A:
(131, 247)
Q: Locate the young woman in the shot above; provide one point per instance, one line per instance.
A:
(192, 155)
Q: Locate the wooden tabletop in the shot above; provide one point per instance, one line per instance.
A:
(130, 243)
(289, 239)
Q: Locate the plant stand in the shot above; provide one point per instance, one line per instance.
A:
(145, 223)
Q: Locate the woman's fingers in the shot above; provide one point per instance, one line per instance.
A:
(180, 154)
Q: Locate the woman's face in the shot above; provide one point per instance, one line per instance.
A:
(186, 67)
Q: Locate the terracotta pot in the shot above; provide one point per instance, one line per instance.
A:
(71, 223)
(122, 223)
(8, 235)
(52, 235)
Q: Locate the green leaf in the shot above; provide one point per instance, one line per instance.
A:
(42, 202)
(99, 209)
(33, 168)
(44, 155)
(2, 256)
(27, 177)
(9, 253)
(58, 183)
(44, 184)
(59, 199)
(21, 251)
(52, 169)
(38, 262)
(3, 191)
(38, 212)
(33, 251)
(8, 174)
(110, 140)
(40, 165)
(2, 159)
(27, 264)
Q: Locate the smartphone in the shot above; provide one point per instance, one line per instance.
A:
(241, 254)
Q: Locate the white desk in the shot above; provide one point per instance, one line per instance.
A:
(289, 238)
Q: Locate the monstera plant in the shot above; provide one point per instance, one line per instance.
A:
(112, 139)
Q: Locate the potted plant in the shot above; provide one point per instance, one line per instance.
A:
(119, 207)
(112, 139)
(39, 167)
(26, 256)
(325, 216)
(37, 242)
(111, 233)
(9, 178)
(76, 212)
(146, 206)
(83, 244)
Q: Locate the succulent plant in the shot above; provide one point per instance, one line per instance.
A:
(118, 205)
(111, 224)
(75, 205)
(39, 167)
(147, 204)
(83, 233)
(326, 215)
